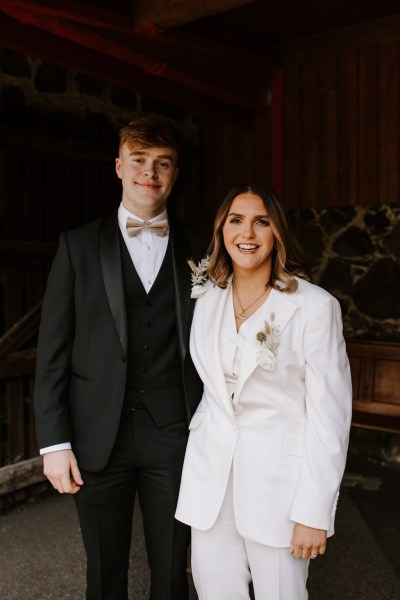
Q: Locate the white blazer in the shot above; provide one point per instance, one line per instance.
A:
(287, 447)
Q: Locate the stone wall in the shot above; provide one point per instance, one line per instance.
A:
(354, 252)
(38, 95)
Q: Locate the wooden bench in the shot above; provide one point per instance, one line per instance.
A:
(375, 371)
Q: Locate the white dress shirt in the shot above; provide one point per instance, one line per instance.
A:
(147, 252)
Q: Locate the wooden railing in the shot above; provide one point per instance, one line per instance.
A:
(24, 267)
(375, 370)
(17, 368)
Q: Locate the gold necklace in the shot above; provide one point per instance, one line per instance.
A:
(242, 316)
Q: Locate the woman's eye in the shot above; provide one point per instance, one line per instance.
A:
(234, 220)
(263, 222)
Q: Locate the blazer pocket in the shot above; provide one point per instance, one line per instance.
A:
(294, 443)
(79, 376)
(196, 420)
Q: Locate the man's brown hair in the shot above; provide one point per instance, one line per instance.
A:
(151, 132)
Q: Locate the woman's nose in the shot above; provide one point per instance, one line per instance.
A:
(248, 230)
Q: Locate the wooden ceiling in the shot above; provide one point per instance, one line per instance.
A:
(214, 56)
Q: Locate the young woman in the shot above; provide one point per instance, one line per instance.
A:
(268, 442)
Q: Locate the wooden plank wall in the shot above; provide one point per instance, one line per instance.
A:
(230, 155)
(342, 117)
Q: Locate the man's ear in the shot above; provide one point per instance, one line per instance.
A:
(118, 167)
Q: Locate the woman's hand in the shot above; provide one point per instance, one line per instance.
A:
(307, 542)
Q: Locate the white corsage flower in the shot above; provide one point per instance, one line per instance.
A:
(199, 276)
(269, 340)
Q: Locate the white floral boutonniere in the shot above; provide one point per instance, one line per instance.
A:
(269, 340)
(199, 276)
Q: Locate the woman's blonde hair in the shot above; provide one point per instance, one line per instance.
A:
(287, 258)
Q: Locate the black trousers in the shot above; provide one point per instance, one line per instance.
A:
(146, 460)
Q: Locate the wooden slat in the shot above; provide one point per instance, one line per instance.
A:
(170, 13)
(368, 126)
(292, 135)
(277, 94)
(20, 475)
(343, 40)
(329, 131)
(262, 148)
(347, 151)
(18, 364)
(21, 331)
(389, 123)
(16, 425)
(388, 424)
(375, 369)
(310, 140)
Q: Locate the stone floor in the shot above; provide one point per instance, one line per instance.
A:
(42, 558)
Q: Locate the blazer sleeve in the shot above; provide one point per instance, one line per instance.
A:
(329, 406)
(55, 342)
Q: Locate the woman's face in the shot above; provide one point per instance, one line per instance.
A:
(247, 233)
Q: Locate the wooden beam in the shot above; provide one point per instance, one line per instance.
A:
(79, 13)
(345, 39)
(20, 475)
(48, 47)
(171, 13)
(107, 46)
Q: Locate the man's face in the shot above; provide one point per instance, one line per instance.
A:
(148, 176)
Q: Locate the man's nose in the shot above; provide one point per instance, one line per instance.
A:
(150, 170)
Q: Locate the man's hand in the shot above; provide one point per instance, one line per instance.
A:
(61, 469)
(307, 542)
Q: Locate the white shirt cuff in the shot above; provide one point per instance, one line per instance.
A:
(56, 447)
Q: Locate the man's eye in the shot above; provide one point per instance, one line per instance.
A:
(163, 165)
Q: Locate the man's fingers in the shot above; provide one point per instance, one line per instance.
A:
(76, 474)
(62, 471)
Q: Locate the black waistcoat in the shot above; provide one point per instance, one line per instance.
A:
(154, 377)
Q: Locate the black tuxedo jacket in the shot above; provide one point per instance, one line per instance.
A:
(82, 348)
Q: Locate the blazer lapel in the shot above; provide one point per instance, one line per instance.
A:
(277, 311)
(110, 260)
(211, 327)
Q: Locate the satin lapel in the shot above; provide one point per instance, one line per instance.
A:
(217, 299)
(110, 260)
(182, 282)
(278, 311)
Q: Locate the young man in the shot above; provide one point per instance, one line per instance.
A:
(115, 386)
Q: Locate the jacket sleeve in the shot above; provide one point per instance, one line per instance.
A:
(328, 405)
(55, 342)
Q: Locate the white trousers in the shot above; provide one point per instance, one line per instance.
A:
(224, 563)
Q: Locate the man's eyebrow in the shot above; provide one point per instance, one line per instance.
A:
(143, 152)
